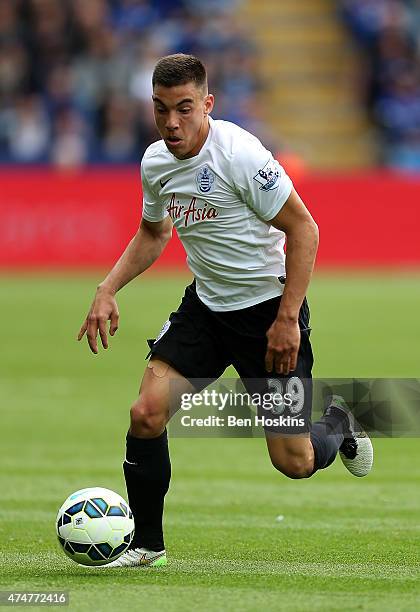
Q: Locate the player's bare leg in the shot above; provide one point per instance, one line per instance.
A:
(151, 411)
(293, 456)
(147, 467)
(337, 431)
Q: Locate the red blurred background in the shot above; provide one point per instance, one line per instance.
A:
(85, 218)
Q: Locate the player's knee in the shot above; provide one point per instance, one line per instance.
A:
(294, 466)
(146, 418)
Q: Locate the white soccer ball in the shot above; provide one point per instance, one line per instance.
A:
(95, 526)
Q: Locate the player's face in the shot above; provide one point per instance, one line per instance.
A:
(181, 116)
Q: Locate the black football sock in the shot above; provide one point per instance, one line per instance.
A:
(147, 471)
(326, 437)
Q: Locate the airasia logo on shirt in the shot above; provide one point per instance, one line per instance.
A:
(191, 213)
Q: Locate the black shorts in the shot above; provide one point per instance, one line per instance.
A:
(200, 344)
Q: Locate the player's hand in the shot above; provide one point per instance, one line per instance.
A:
(104, 308)
(283, 340)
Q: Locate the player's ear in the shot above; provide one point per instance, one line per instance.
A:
(208, 103)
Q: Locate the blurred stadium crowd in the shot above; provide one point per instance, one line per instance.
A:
(388, 32)
(75, 74)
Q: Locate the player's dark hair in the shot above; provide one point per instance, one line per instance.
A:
(179, 69)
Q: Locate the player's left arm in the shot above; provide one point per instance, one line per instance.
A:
(302, 236)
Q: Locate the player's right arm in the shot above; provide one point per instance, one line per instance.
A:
(144, 248)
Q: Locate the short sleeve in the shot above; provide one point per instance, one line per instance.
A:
(259, 179)
(153, 207)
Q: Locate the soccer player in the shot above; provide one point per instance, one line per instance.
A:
(232, 205)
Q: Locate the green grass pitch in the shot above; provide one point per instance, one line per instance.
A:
(343, 544)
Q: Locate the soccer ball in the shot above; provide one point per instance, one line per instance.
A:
(94, 526)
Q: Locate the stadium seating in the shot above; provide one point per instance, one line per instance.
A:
(310, 73)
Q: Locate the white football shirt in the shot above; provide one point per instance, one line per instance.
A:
(220, 202)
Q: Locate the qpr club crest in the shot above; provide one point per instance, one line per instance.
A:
(205, 179)
(268, 176)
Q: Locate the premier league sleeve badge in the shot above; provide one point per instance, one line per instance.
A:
(268, 176)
